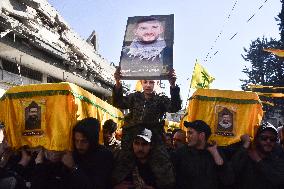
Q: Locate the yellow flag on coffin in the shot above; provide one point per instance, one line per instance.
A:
(200, 77)
(44, 114)
(229, 114)
(277, 52)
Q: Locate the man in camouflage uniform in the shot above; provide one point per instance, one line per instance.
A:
(141, 176)
(146, 108)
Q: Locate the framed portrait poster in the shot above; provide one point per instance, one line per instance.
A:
(34, 121)
(147, 51)
(225, 121)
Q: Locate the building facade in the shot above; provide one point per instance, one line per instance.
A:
(38, 46)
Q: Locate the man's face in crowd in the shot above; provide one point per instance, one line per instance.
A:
(149, 31)
(108, 135)
(193, 137)
(168, 141)
(266, 141)
(148, 86)
(141, 148)
(226, 119)
(33, 114)
(179, 140)
(81, 143)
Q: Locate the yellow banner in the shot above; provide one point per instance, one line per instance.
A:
(44, 114)
(230, 114)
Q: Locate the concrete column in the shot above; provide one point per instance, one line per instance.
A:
(44, 78)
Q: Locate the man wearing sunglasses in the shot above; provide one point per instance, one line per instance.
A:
(255, 164)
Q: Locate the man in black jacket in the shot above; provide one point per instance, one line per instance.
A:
(199, 165)
(255, 164)
(91, 158)
(89, 167)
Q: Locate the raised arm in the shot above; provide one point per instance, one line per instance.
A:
(175, 101)
(118, 100)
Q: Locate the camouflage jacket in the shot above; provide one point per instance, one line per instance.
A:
(146, 110)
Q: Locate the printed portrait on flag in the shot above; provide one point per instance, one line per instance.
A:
(33, 111)
(32, 116)
(225, 121)
(147, 51)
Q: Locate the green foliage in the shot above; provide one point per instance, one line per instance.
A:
(266, 68)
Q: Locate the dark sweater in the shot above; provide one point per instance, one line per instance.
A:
(196, 169)
(265, 174)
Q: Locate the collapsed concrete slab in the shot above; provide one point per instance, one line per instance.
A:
(35, 36)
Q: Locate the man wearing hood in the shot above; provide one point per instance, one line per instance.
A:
(91, 162)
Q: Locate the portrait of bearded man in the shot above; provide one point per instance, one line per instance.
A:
(33, 116)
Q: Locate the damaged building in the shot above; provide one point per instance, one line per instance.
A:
(38, 46)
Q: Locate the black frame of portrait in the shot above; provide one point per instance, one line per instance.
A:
(27, 114)
(157, 68)
(219, 117)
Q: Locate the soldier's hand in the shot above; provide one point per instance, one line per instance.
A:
(212, 147)
(245, 140)
(67, 160)
(25, 158)
(40, 156)
(117, 76)
(172, 78)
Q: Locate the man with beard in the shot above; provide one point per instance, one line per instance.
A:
(32, 120)
(141, 176)
(255, 164)
(88, 167)
(148, 42)
(179, 139)
(91, 161)
(226, 123)
(148, 52)
(198, 164)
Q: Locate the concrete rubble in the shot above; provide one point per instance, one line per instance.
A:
(43, 27)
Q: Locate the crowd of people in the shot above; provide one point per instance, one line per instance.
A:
(145, 156)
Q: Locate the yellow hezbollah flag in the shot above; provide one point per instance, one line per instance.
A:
(277, 52)
(44, 114)
(200, 77)
(229, 114)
